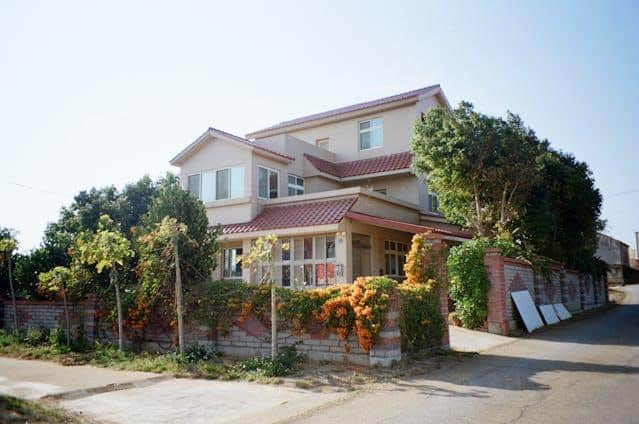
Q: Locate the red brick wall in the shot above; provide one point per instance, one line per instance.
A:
(577, 291)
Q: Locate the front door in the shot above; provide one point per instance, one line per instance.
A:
(361, 247)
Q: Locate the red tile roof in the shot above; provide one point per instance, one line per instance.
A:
(347, 109)
(355, 168)
(295, 215)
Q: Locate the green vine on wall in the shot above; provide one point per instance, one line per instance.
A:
(468, 280)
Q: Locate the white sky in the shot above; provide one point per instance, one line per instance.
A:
(98, 93)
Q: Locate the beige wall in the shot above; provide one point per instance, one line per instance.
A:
(343, 135)
(379, 207)
(404, 187)
(377, 237)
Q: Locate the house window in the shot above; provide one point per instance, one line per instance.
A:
(232, 263)
(267, 182)
(380, 191)
(433, 202)
(322, 143)
(225, 183)
(306, 261)
(371, 134)
(194, 184)
(395, 257)
(295, 185)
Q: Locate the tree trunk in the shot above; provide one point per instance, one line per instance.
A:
(66, 316)
(13, 294)
(273, 323)
(119, 308)
(178, 297)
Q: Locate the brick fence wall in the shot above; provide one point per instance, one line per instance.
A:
(578, 292)
(252, 337)
(50, 314)
(245, 339)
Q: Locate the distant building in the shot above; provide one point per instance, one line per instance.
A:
(617, 255)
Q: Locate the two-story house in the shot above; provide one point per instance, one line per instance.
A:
(335, 187)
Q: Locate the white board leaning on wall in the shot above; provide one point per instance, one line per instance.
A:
(549, 314)
(527, 310)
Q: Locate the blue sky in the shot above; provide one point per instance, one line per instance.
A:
(98, 93)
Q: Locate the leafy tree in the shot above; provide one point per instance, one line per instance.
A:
(173, 201)
(175, 227)
(260, 256)
(160, 250)
(8, 244)
(561, 217)
(107, 249)
(59, 280)
(482, 167)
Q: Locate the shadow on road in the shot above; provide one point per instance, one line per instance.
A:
(499, 372)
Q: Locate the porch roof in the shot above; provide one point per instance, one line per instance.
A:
(295, 215)
(402, 226)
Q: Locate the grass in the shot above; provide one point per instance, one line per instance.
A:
(13, 410)
(197, 362)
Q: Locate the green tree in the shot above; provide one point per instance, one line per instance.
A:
(176, 245)
(260, 256)
(59, 280)
(561, 217)
(8, 244)
(159, 252)
(107, 249)
(482, 167)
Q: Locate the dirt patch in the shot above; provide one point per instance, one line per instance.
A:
(331, 377)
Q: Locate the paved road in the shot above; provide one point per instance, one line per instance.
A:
(582, 372)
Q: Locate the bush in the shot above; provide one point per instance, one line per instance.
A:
(468, 281)
(37, 336)
(58, 339)
(343, 309)
(421, 321)
(198, 352)
(287, 360)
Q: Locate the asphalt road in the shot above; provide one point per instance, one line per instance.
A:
(585, 371)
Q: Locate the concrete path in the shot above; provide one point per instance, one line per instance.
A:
(200, 401)
(154, 398)
(464, 340)
(585, 371)
(36, 379)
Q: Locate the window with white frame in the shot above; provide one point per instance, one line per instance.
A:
(295, 185)
(219, 184)
(322, 143)
(267, 183)
(305, 261)
(371, 134)
(232, 266)
(395, 257)
(433, 202)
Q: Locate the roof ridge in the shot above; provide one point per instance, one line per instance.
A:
(349, 108)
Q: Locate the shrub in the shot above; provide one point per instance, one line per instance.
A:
(37, 336)
(421, 322)
(343, 309)
(468, 281)
(286, 361)
(198, 352)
